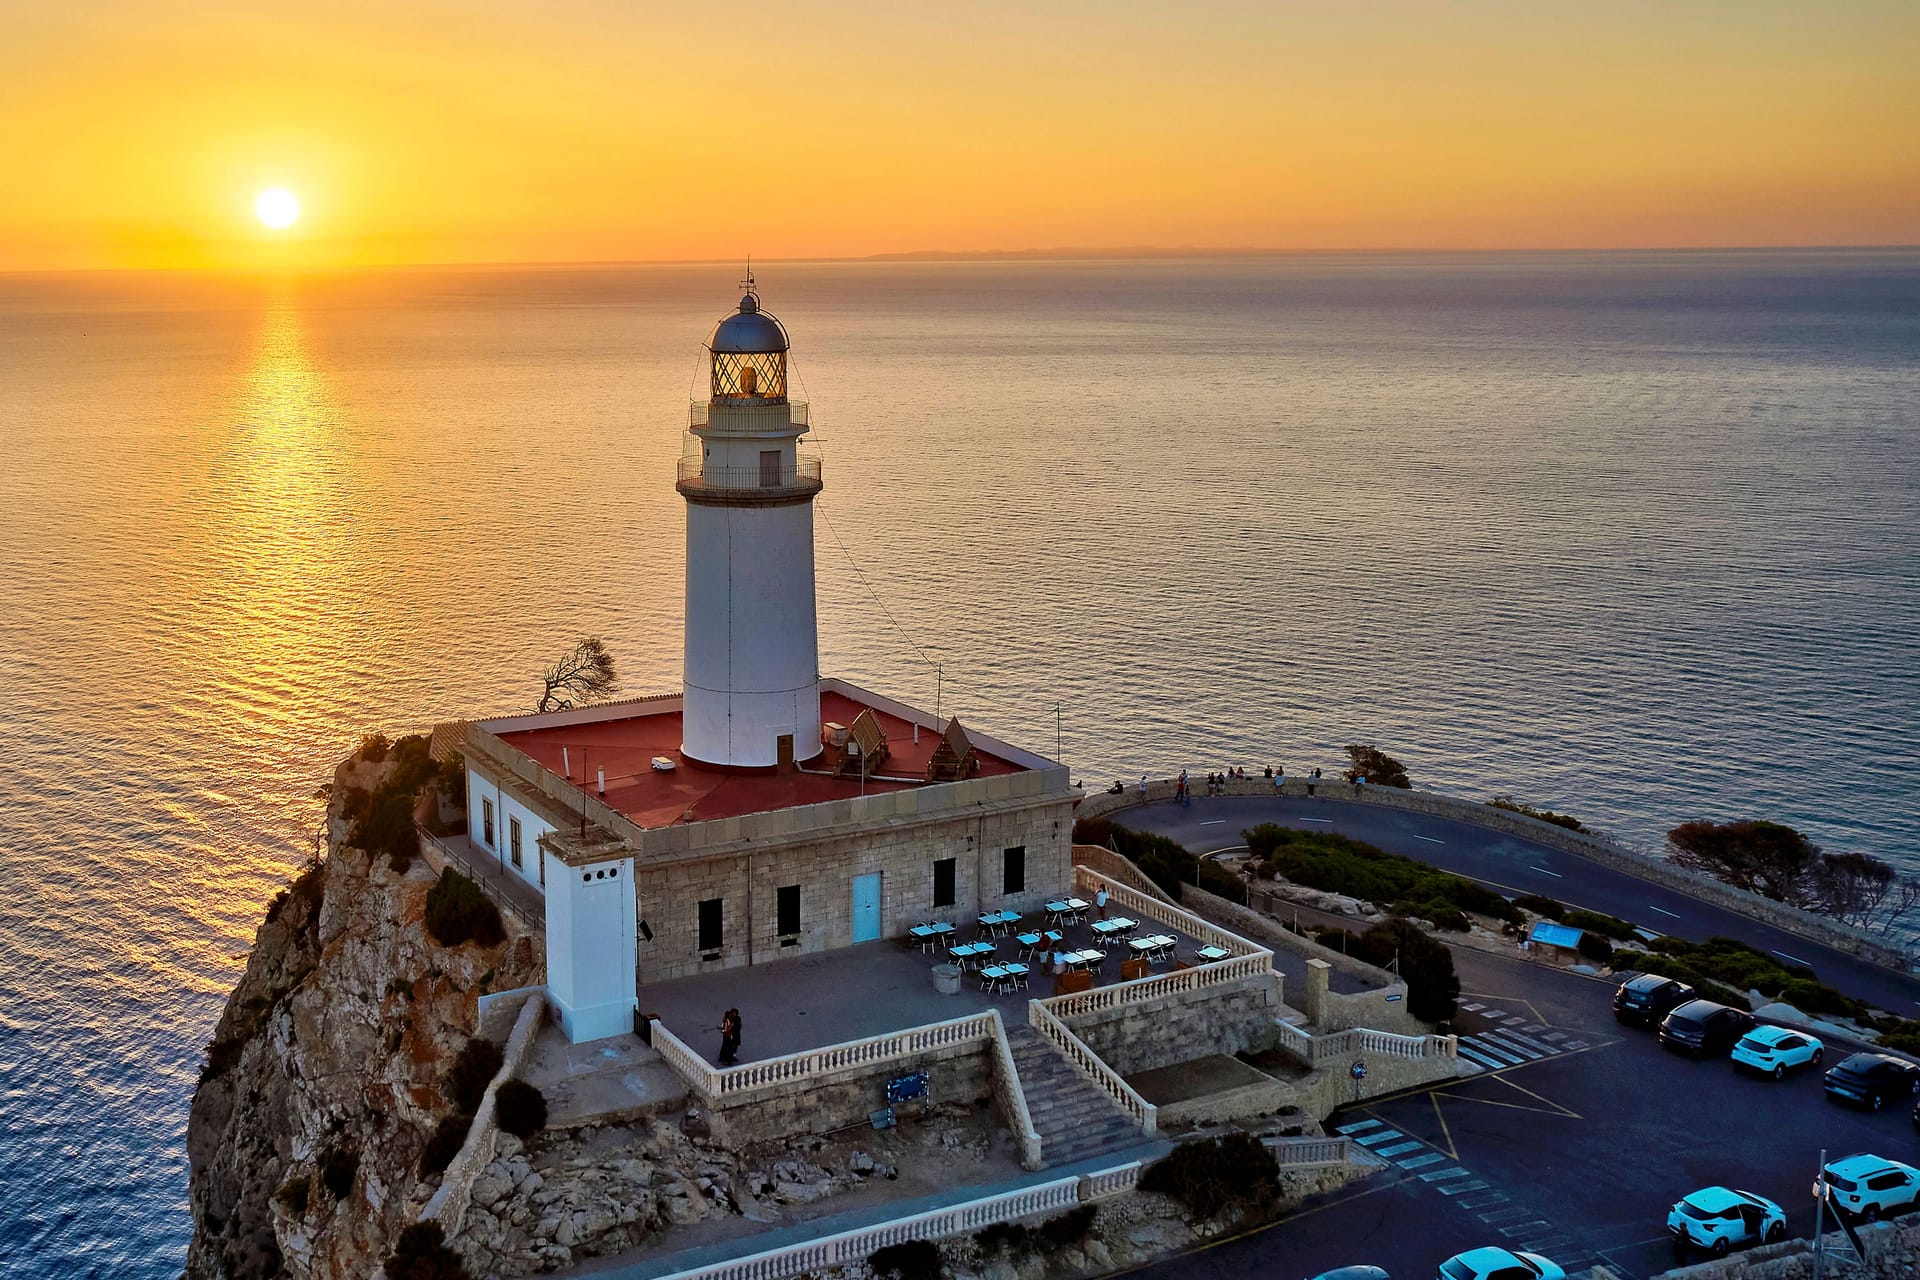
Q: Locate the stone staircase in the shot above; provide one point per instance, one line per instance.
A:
(1075, 1119)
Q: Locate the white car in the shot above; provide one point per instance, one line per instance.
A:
(1718, 1218)
(1867, 1186)
(1499, 1264)
(1774, 1051)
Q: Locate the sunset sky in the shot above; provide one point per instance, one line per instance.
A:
(142, 132)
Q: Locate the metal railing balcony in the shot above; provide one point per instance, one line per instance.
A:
(695, 479)
(699, 412)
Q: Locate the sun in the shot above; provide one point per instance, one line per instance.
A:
(277, 207)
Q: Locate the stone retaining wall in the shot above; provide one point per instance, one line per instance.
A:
(1229, 1017)
(1893, 1253)
(1608, 853)
(449, 1203)
(1384, 1008)
(835, 1100)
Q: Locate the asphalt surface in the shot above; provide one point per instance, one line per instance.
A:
(1519, 866)
(1578, 1151)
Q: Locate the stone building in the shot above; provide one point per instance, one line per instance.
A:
(762, 811)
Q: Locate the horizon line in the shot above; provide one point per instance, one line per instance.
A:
(1130, 253)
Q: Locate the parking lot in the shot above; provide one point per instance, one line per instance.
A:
(1579, 1149)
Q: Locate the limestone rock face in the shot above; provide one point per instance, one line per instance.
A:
(331, 1051)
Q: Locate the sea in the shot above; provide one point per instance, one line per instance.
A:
(1632, 536)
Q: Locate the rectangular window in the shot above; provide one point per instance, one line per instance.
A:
(1013, 871)
(789, 908)
(943, 882)
(710, 925)
(769, 468)
(513, 839)
(486, 822)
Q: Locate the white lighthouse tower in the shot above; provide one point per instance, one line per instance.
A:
(752, 670)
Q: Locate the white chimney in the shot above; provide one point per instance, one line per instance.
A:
(603, 779)
(566, 763)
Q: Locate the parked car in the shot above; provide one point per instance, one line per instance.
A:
(1773, 1051)
(1500, 1264)
(1718, 1218)
(1354, 1273)
(1704, 1028)
(1647, 999)
(1867, 1186)
(1874, 1079)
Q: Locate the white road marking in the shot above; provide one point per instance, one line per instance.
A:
(1421, 1162)
(1397, 1149)
(1543, 871)
(1429, 839)
(1214, 822)
(1357, 1126)
(1663, 911)
(1328, 821)
(1796, 959)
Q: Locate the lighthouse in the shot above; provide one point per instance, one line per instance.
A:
(751, 676)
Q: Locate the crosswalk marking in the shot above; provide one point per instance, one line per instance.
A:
(1444, 1175)
(1473, 1006)
(1460, 1188)
(1421, 1162)
(1525, 1228)
(1385, 1135)
(1358, 1126)
(1504, 1215)
(1397, 1149)
(1481, 1202)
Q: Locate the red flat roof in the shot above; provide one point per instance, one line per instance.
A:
(625, 748)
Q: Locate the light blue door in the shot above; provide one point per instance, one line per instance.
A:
(866, 908)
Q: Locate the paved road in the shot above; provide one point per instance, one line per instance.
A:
(1579, 1150)
(1519, 866)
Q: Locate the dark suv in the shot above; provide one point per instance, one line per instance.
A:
(1648, 998)
(1873, 1079)
(1704, 1028)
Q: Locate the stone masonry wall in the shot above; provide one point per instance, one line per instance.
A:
(1595, 848)
(748, 885)
(1183, 1025)
(820, 1104)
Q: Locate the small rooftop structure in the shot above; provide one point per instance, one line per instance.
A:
(955, 757)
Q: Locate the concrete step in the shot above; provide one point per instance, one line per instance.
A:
(1074, 1118)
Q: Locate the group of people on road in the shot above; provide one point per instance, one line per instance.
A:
(1217, 783)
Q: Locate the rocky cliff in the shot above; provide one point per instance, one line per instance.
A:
(325, 1074)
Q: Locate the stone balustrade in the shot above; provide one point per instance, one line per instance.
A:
(1089, 1064)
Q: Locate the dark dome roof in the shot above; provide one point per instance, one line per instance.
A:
(748, 330)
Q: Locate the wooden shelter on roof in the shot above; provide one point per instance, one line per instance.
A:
(955, 757)
(866, 747)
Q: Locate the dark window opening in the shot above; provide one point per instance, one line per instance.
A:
(710, 925)
(1013, 873)
(943, 882)
(789, 911)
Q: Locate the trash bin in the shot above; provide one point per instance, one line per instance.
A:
(946, 979)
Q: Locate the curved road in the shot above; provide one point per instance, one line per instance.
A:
(1516, 865)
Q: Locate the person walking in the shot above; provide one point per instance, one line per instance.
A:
(1313, 776)
(1183, 791)
(1143, 788)
(1359, 781)
(1100, 901)
(730, 1038)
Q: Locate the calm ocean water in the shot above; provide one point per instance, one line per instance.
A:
(1633, 536)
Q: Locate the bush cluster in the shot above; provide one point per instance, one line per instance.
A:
(1511, 805)
(1376, 766)
(383, 818)
(908, 1260)
(520, 1108)
(1221, 882)
(1595, 948)
(421, 1253)
(1339, 864)
(1166, 862)
(474, 1068)
(1212, 1176)
(1603, 924)
(1735, 964)
(1668, 967)
(444, 1143)
(1051, 1236)
(1546, 908)
(458, 912)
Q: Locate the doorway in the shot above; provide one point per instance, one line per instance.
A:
(866, 908)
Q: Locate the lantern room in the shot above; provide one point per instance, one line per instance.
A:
(749, 350)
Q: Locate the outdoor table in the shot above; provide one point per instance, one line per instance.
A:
(1083, 960)
(1034, 942)
(969, 954)
(998, 921)
(1117, 925)
(1210, 954)
(928, 935)
(1003, 977)
(1153, 947)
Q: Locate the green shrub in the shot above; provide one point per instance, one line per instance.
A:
(1601, 923)
(1904, 1038)
(374, 748)
(421, 1253)
(1215, 1175)
(908, 1260)
(1056, 1233)
(1544, 815)
(1546, 908)
(520, 1108)
(1379, 768)
(295, 1193)
(1339, 864)
(1809, 996)
(474, 1068)
(1166, 862)
(1222, 882)
(458, 912)
(1595, 948)
(1442, 915)
(1426, 966)
(387, 829)
(1093, 831)
(337, 1169)
(444, 1143)
(1668, 966)
(1069, 1228)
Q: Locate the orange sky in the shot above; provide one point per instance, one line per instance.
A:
(137, 132)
